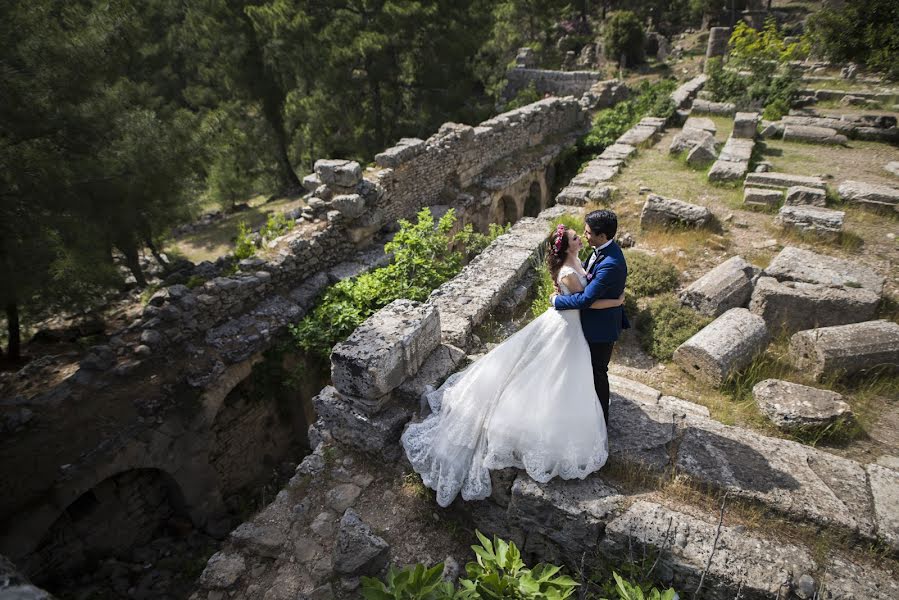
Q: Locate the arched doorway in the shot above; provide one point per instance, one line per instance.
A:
(506, 210)
(533, 204)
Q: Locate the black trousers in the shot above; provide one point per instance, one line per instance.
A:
(600, 354)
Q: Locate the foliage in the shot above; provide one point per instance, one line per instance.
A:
(244, 246)
(624, 36)
(649, 275)
(424, 257)
(411, 583)
(276, 225)
(771, 83)
(664, 324)
(651, 99)
(525, 96)
(626, 590)
(862, 31)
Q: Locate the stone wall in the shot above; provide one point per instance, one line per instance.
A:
(557, 83)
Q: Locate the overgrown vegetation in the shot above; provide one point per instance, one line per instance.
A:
(649, 275)
(758, 75)
(497, 572)
(425, 255)
(624, 38)
(861, 31)
(649, 100)
(664, 324)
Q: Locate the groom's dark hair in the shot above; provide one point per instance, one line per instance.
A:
(603, 221)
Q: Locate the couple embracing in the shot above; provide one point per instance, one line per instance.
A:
(540, 400)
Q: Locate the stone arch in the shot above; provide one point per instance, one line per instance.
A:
(108, 519)
(534, 202)
(506, 210)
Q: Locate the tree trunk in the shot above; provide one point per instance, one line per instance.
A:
(13, 349)
(132, 261)
(155, 252)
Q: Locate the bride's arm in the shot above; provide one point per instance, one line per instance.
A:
(608, 302)
(572, 282)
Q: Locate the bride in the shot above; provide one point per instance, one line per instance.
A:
(529, 403)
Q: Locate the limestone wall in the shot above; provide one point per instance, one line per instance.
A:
(557, 83)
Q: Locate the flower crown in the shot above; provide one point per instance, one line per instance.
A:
(560, 233)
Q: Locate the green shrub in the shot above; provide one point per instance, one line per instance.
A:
(665, 324)
(525, 96)
(649, 275)
(649, 99)
(424, 257)
(862, 31)
(277, 225)
(624, 36)
(244, 247)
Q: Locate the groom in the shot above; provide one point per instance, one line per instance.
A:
(606, 275)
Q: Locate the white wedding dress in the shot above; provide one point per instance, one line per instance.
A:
(529, 403)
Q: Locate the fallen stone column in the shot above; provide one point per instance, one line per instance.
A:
(723, 347)
(793, 406)
(762, 197)
(869, 194)
(823, 222)
(796, 305)
(814, 135)
(800, 195)
(846, 349)
(668, 211)
(726, 109)
(783, 180)
(840, 126)
(729, 285)
(797, 264)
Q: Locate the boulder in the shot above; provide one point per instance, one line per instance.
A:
(659, 211)
(388, 348)
(723, 347)
(800, 195)
(745, 125)
(223, 570)
(846, 349)
(342, 173)
(760, 197)
(729, 285)
(869, 194)
(358, 551)
(822, 222)
(349, 205)
(793, 406)
(260, 540)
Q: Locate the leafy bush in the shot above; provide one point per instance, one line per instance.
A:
(650, 99)
(526, 95)
(424, 257)
(244, 247)
(277, 225)
(862, 31)
(624, 37)
(665, 324)
(649, 275)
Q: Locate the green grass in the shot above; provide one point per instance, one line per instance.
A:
(664, 324)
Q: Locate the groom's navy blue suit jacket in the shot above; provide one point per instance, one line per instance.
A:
(607, 279)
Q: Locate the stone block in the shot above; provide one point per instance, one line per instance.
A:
(796, 305)
(814, 135)
(761, 197)
(783, 180)
(715, 108)
(350, 206)
(441, 362)
(702, 153)
(822, 222)
(877, 134)
(772, 130)
(385, 350)
(725, 170)
(793, 406)
(885, 493)
(358, 551)
(869, 194)
(745, 125)
(639, 136)
(727, 286)
(800, 195)
(701, 123)
(844, 350)
(404, 150)
(343, 173)
(620, 151)
(892, 167)
(737, 150)
(724, 346)
(838, 125)
(659, 211)
(311, 182)
(797, 264)
(223, 570)
(688, 139)
(377, 434)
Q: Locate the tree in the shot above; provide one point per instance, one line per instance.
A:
(624, 37)
(861, 31)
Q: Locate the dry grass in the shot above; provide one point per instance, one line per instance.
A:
(860, 161)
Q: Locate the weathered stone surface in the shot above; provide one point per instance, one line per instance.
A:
(717, 44)
(737, 150)
(756, 565)
(385, 350)
(634, 389)
(349, 205)
(342, 496)
(885, 491)
(795, 305)
(729, 285)
(620, 151)
(15, 586)
(639, 136)
(839, 125)
(680, 407)
(761, 197)
(771, 129)
(715, 108)
(849, 580)
(813, 135)
(797, 264)
(794, 406)
(223, 570)
(725, 170)
(311, 182)
(702, 153)
(260, 540)
(812, 219)
(343, 173)
(877, 134)
(846, 349)
(440, 363)
(688, 139)
(724, 346)
(682, 95)
(571, 514)
(378, 433)
(745, 125)
(782, 180)
(358, 550)
(869, 194)
(701, 123)
(663, 212)
(892, 167)
(800, 195)
(790, 477)
(404, 150)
